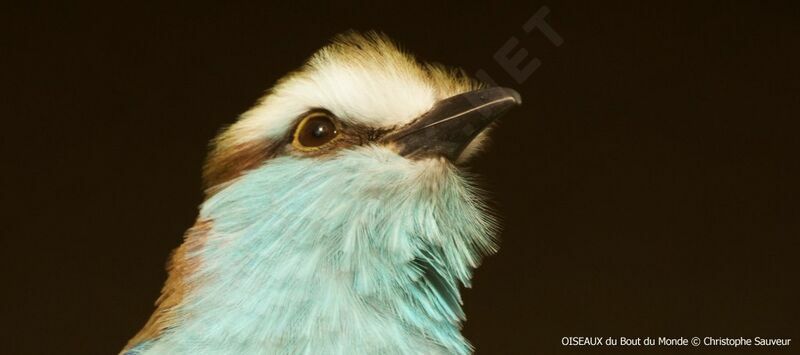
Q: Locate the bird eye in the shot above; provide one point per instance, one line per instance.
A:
(314, 131)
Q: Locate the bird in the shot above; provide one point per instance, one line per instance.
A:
(338, 216)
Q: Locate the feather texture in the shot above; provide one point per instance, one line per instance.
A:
(362, 252)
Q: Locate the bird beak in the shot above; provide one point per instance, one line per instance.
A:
(452, 123)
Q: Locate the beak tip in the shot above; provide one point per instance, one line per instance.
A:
(514, 95)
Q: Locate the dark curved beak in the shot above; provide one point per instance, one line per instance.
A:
(452, 123)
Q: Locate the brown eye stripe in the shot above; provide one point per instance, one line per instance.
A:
(228, 163)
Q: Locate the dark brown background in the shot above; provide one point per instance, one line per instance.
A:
(647, 185)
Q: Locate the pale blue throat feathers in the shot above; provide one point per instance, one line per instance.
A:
(362, 252)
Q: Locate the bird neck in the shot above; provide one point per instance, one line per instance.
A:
(330, 272)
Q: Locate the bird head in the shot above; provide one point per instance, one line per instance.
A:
(338, 200)
(361, 92)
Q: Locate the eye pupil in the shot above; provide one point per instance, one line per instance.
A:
(315, 131)
(320, 130)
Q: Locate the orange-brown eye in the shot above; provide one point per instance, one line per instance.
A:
(314, 131)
